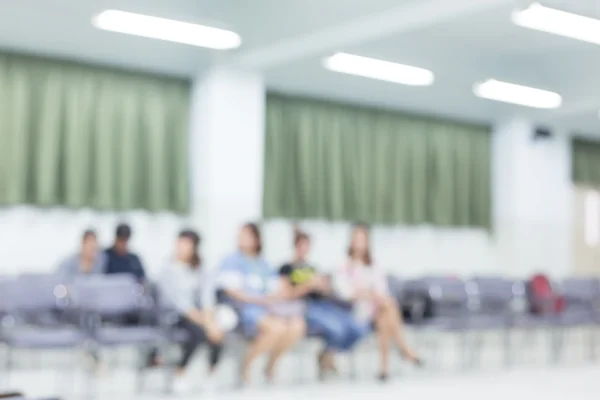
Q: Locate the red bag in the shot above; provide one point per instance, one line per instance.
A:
(542, 297)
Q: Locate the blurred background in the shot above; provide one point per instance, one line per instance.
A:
(464, 133)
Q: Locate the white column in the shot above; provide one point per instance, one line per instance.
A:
(532, 200)
(227, 146)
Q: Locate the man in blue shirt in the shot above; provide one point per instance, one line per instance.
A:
(118, 258)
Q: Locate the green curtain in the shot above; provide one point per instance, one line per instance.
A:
(586, 162)
(80, 136)
(336, 162)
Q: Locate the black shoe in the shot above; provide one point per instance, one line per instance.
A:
(383, 377)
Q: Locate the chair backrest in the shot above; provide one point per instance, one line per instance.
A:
(37, 293)
(395, 286)
(450, 296)
(7, 287)
(580, 291)
(494, 294)
(108, 295)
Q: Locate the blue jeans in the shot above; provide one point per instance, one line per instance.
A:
(337, 325)
(250, 316)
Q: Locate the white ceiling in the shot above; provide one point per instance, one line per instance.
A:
(461, 41)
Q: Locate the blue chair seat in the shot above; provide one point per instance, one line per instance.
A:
(576, 317)
(28, 338)
(533, 321)
(178, 335)
(127, 335)
(484, 322)
(444, 323)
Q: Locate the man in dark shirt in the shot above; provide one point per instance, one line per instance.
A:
(118, 258)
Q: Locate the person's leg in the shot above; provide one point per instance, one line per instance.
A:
(268, 333)
(295, 330)
(195, 337)
(152, 356)
(391, 312)
(324, 318)
(354, 329)
(214, 355)
(384, 336)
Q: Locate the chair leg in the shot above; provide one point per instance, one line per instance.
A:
(74, 368)
(592, 344)
(298, 355)
(507, 347)
(91, 373)
(557, 340)
(240, 357)
(8, 364)
(352, 354)
(436, 353)
(527, 342)
(143, 352)
(476, 349)
(464, 349)
(169, 368)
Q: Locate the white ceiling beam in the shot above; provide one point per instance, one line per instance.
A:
(404, 18)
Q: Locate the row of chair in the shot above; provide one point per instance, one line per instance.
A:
(40, 312)
(501, 304)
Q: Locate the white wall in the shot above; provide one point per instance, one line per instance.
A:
(532, 200)
(35, 240)
(404, 251)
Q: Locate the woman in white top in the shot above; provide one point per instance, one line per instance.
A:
(366, 286)
(185, 287)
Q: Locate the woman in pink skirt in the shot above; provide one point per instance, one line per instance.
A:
(365, 285)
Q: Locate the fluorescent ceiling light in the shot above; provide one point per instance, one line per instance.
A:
(379, 69)
(558, 22)
(166, 29)
(517, 94)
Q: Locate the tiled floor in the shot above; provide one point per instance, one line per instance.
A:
(575, 378)
(573, 383)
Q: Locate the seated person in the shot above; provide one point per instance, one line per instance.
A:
(119, 260)
(88, 261)
(248, 280)
(366, 286)
(181, 285)
(335, 323)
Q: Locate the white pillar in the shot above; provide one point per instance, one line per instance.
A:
(227, 146)
(532, 200)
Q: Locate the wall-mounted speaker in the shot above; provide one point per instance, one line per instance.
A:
(541, 133)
